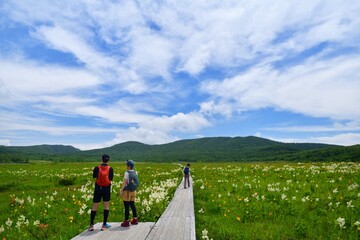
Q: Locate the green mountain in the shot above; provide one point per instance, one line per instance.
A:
(213, 149)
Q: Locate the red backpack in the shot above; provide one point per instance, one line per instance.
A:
(103, 176)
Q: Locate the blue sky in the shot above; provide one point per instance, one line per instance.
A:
(92, 74)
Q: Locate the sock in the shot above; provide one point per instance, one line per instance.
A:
(92, 217)
(106, 215)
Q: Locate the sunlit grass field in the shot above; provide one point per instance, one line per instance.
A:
(232, 200)
(53, 200)
(277, 201)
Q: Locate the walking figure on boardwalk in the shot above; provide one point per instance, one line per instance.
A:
(104, 175)
(128, 193)
(187, 175)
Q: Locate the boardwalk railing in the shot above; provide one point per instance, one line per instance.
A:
(176, 223)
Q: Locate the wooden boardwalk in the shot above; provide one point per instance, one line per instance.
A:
(176, 223)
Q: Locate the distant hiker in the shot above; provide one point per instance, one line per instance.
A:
(104, 175)
(128, 193)
(187, 175)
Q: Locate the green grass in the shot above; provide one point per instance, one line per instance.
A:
(232, 200)
(53, 200)
(277, 200)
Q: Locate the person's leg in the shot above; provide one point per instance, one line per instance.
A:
(133, 209)
(106, 211)
(127, 214)
(134, 221)
(188, 180)
(93, 212)
(127, 210)
(184, 181)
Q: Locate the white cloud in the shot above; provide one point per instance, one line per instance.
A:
(343, 139)
(144, 48)
(162, 129)
(24, 79)
(336, 127)
(67, 41)
(5, 142)
(346, 139)
(327, 88)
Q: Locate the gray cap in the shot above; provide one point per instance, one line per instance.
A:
(130, 163)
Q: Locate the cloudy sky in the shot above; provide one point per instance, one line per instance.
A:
(92, 74)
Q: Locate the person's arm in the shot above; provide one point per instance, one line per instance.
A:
(111, 174)
(124, 183)
(95, 172)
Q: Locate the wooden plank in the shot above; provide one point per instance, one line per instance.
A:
(134, 232)
(177, 222)
(178, 219)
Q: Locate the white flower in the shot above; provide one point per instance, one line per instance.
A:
(9, 222)
(204, 234)
(357, 223)
(349, 204)
(81, 211)
(2, 229)
(341, 222)
(36, 223)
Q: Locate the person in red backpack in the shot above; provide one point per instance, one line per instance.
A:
(104, 175)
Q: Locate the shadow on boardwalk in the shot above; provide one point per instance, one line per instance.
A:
(176, 223)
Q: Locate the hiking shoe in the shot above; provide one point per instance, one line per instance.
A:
(126, 223)
(91, 227)
(105, 227)
(134, 221)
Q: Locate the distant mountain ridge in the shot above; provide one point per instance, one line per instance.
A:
(208, 149)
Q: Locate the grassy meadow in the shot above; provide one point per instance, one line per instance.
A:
(277, 201)
(53, 200)
(232, 200)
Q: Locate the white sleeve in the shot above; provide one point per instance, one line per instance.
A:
(126, 175)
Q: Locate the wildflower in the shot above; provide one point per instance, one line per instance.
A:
(349, 204)
(71, 218)
(201, 211)
(41, 225)
(2, 229)
(36, 223)
(204, 234)
(81, 211)
(9, 223)
(238, 218)
(357, 223)
(341, 222)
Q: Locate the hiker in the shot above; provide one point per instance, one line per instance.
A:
(187, 175)
(128, 193)
(104, 175)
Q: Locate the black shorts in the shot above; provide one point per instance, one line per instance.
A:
(102, 193)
